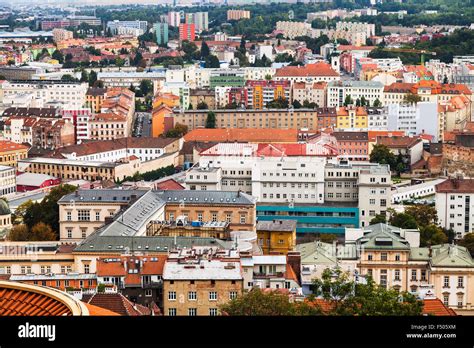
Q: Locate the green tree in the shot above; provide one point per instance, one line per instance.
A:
(296, 104)
(256, 302)
(177, 131)
(378, 219)
(212, 62)
(280, 103)
(424, 214)
(68, 77)
(58, 56)
(403, 220)
(382, 154)
(211, 120)
(347, 297)
(92, 78)
(19, 233)
(41, 231)
(348, 100)
(468, 242)
(412, 98)
(432, 235)
(146, 87)
(84, 76)
(205, 52)
(377, 103)
(47, 211)
(202, 105)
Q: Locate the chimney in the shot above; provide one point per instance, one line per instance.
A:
(293, 259)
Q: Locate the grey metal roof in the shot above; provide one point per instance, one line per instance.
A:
(205, 197)
(121, 244)
(101, 195)
(277, 225)
(135, 217)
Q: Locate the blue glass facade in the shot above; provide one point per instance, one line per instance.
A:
(313, 219)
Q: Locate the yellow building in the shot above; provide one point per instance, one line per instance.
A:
(277, 236)
(11, 152)
(197, 281)
(94, 98)
(158, 119)
(168, 99)
(351, 117)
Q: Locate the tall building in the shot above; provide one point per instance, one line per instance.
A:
(174, 19)
(187, 31)
(237, 14)
(455, 205)
(161, 31)
(199, 19)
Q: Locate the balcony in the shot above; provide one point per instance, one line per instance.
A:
(152, 285)
(268, 275)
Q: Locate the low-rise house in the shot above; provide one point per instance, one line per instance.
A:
(197, 281)
(277, 236)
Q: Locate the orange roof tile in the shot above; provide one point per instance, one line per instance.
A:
(6, 145)
(437, 308)
(316, 69)
(243, 135)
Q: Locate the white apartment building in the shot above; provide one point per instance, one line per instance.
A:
(441, 70)
(312, 92)
(115, 25)
(377, 118)
(365, 184)
(455, 205)
(355, 32)
(7, 181)
(271, 172)
(131, 78)
(70, 94)
(258, 73)
(415, 119)
(204, 179)
(174, 19)
(337, 91)
(81, 120)
(293, 29)
(200, 20)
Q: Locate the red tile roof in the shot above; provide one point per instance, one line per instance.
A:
(119, 304)
(169, 184)
(251, 135)
(374, 134)
(398, 141)
(316, 69)
(6, 145)
(456, 185)
(437, 308)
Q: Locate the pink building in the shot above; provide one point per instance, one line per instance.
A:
(353, 146)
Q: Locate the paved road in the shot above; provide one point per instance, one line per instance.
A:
(142, 126)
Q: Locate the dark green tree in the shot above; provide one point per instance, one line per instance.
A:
(256, 302)
(211, 120)
(205, 52)
(202, 105)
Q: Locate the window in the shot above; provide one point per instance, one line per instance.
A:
(214, 217)
(232, 295)
(397, 274)
(460, 300)
(423, 274)
(69, 232)
(460, 282)
(148, 292)
(372, 201)
(192, 312)
(397, 257)
(69, 216)
(192, 296)
(172, 295)
(243, 219)
(383, 256)
(200, 217)
(212, 312)
(84, 232)
(97, 216)
(172, 312)
(83, 215)
(413, 274)
(446, 282)
(213, 296)
(369, 257)
(446, 299)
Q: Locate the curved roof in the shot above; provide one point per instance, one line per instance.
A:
(19, 299)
